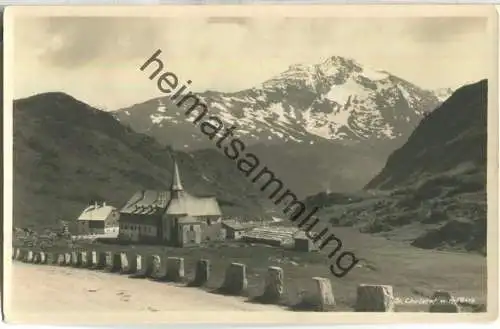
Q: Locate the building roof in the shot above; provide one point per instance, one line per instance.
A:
(238, 226)
(150, 202)
(186, 204)
(96, 212)
(183, 203)
(174, 202)
(188, 220)
(301, 235)
(147, 202)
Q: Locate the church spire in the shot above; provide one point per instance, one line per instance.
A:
(176, 184)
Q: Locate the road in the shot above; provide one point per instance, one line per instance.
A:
(51, 290)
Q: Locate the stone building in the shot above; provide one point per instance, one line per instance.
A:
(98, 218)
(235, 229)
(172, 217)
(303, 243)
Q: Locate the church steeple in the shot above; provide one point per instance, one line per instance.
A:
(176, 183)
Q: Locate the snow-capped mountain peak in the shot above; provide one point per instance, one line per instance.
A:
(337, 99)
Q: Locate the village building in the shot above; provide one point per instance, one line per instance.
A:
(235, 229)
(303, 243)
(172, 217)
(98, 218)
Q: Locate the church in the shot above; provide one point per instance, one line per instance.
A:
(173, 217)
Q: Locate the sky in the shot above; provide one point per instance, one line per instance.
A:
(97, 59)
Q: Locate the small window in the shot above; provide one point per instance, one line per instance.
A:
(191, 227)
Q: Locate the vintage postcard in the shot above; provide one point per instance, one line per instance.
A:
(250, 164)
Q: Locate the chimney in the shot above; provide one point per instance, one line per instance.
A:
(104, 204)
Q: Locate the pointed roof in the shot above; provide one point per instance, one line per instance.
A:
(176, 184)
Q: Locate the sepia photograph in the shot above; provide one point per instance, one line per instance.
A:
(250, 164)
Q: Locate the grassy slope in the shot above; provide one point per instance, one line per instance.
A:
(67, 153)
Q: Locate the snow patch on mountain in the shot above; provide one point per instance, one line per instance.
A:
(406, 94)
(443, 93)
(341, 117)
(161, 107)
(343, 92)
(374, 74)
(277, 108)
(158, 118)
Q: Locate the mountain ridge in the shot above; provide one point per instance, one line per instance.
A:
(67, 153)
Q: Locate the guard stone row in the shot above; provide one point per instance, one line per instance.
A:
(370, 298)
